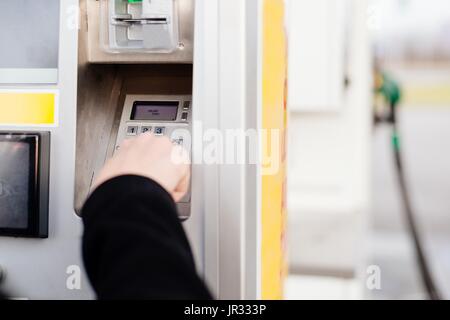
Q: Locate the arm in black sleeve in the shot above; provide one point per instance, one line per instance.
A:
(134, 246)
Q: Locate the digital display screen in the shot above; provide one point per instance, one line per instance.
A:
(15, 174)
(155, 110)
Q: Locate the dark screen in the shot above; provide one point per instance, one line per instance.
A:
(14, 184)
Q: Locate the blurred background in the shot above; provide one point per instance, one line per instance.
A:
(349, 62)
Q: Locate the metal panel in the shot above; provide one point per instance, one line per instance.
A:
(222, 102)
(254, 57)
(231, 176)
(317, 48)
(205, 107)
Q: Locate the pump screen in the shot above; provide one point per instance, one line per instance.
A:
(155, 110)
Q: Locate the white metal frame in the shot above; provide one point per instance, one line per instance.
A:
(225, 96)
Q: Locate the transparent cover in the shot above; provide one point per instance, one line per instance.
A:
(139, 26)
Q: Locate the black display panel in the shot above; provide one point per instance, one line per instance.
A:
(155, 110)
(24, 166)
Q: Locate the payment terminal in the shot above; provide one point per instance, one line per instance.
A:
(162, 115)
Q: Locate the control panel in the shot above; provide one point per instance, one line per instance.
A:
(162, 115)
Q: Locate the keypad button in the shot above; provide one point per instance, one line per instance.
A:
(159, 131)
(178, 141)
(145, 129)
(132, 130)
(184, 116)
(186, 105)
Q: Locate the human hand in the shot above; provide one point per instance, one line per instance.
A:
(152, 157)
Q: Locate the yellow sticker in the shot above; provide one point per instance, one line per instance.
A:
(273, 259)
(28, 108)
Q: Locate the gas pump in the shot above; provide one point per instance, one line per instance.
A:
(113, 69)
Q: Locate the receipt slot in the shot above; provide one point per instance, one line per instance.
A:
(162, 115)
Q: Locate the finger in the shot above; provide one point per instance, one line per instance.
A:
(145, 138)
(182, 188)
(180, 156)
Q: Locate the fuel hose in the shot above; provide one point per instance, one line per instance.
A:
(392, 94)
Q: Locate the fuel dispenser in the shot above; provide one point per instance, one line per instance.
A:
(123, 68)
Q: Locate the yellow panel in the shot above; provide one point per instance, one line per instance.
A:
(18, 108)
(273, 265)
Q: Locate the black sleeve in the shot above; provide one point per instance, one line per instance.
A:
(134, 246)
